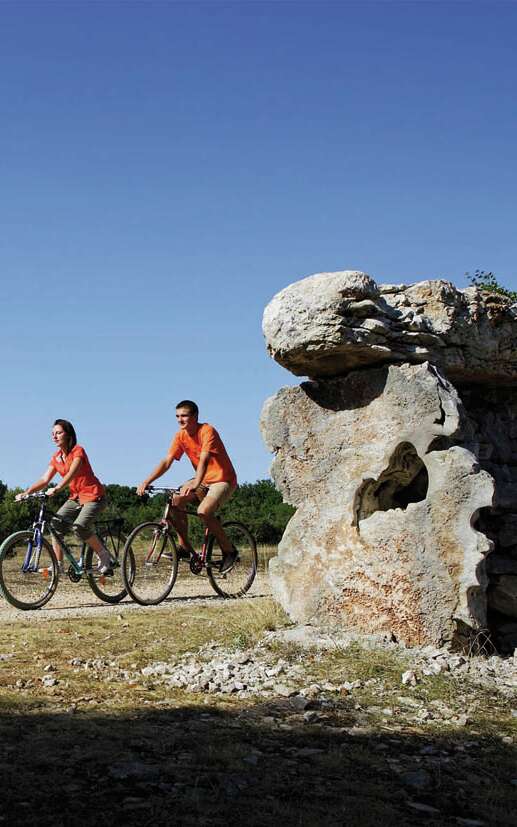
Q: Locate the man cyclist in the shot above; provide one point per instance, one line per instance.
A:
(214, 482)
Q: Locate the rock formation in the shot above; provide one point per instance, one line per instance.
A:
(400, 455)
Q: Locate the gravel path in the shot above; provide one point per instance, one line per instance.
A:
(74, 600)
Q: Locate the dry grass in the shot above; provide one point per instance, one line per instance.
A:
(131, 750)
(265, 554)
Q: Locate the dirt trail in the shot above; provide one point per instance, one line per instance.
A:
(74, 600)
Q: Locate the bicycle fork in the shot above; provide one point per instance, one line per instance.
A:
(150, 560)
(33, 553)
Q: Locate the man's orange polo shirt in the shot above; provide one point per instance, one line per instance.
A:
(206, 438)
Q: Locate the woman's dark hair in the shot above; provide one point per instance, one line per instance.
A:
(69, 430)
(191, 406)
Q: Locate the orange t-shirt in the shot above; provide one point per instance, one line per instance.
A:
(206, 438)
(85, 486)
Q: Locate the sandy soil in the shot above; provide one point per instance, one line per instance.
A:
(77, 599)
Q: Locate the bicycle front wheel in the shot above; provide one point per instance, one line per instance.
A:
(109, 589)
(236, 581)
(150, 564)
(28, 576)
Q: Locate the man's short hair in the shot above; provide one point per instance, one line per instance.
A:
(188, 403)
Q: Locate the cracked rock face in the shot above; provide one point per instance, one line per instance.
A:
(331, 323)
(382, 539)
(400, 456)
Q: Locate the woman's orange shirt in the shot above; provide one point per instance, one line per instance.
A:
(85, 486)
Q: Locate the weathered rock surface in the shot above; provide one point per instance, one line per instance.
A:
(382, 539)
(331, 323)
(403, 481)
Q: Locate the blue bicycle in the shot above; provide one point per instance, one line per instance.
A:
(29, 572)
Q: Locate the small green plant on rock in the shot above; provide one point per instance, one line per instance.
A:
(486, 280)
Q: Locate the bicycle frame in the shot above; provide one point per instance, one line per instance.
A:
(28, 559)
(151, 554)
(31, 561)
(198, 558)
(32, 557)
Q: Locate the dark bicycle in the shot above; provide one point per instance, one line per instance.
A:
(150, 561)
(29, 572)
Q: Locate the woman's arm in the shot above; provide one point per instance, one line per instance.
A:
(70, 474)
(41, 483)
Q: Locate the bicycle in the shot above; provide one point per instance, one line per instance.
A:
(29, 572)
(150, 560)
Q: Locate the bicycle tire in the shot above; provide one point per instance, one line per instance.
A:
(27, 590)
(150, 564)
(238, 580)
(108, 589)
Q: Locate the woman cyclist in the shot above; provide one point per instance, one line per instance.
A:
(87, 497)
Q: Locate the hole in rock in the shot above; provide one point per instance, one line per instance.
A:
(440, 443)
(404, 481)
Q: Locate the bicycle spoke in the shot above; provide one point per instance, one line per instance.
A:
(237, 580)
(150, 564)
(111, 589)
(28, 575)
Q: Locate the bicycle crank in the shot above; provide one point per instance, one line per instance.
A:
(196, 564)
(73, 576)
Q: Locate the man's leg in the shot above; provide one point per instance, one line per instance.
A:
(179, 518)
(218, 493)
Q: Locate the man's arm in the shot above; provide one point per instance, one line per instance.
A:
(159, 471)
(200, 473)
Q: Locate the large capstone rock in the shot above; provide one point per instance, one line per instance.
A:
(383, 539)
(331, 323)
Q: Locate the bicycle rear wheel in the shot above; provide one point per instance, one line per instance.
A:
(150, 564)
(109, 589)
(236, 581)
(27, 579)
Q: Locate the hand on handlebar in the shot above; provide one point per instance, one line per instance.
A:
(35, 494)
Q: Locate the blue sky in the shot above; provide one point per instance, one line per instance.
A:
(166, 168)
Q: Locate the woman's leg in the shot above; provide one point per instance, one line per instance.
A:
(83, 527)
(68, 512)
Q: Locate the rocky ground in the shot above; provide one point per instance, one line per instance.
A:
(213, 712)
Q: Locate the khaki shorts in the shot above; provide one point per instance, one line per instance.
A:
(217, 492)
(82, 517)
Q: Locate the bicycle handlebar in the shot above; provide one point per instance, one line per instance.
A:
(38, 495)
(152, 489)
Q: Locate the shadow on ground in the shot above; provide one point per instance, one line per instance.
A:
(192, 766)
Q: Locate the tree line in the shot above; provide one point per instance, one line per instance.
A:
(259, 505)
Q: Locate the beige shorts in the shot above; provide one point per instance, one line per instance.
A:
(81, 518)
(218, 492)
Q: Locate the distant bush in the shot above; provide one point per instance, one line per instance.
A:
(257, 504)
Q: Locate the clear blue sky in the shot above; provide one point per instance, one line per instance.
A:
(165, 168)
